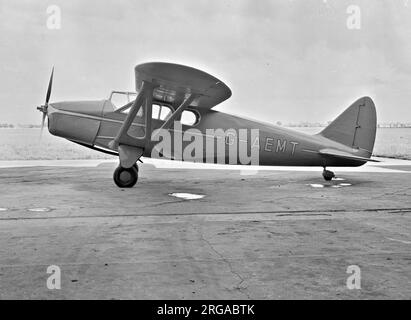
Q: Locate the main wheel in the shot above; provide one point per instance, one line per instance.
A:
(328, 175)
(125, 177)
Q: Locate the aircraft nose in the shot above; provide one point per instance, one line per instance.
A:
(94, 108)
(77, 121)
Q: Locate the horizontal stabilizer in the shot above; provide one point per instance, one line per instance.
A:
(343, 155)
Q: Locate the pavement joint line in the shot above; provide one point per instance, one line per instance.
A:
(397, 240)
(314, 256)
(279, 213)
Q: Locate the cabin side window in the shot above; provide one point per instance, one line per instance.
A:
(156, 111)
(189, 118)
(161, 112)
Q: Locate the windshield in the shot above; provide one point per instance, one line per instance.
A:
(120, 99)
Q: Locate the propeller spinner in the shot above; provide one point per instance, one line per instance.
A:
(44, 107)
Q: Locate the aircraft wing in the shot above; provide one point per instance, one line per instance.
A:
(343, 155)
(179, 85)
(174, 83)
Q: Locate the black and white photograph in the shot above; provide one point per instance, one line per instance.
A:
(219, 152)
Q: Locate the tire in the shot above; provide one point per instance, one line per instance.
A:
(125, 177)
(328, 175)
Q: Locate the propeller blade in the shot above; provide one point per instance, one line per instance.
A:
(42, 124)
(49, 88)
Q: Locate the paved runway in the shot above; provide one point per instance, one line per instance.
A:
(271, 234)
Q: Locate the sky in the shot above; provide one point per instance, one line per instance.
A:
(284, 60)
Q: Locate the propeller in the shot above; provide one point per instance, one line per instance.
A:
(44, 107)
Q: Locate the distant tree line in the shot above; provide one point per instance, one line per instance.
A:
(279, 123)
(394, 125)
(6, 125)
(30, 126)
(21, 126)
(317, 124)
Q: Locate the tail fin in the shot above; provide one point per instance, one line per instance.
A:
(355, 127)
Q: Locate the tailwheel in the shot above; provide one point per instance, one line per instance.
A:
(126, 177)
(328, 175)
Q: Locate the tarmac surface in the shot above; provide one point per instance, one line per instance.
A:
(280, 233)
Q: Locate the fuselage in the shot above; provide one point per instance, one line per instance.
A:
(96, 123)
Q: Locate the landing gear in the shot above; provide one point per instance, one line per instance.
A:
(126, 177)
(328, 175)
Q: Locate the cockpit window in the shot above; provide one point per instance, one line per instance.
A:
(161, 112)
(123, 100)
(120, 99)
(165, 113)
(158, 112)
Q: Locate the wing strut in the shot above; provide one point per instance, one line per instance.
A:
(130, 149)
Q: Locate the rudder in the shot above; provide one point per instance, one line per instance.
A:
(355, 127)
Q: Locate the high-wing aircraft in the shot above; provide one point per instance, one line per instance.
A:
(179, 100)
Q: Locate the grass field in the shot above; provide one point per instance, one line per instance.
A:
(24, 144)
